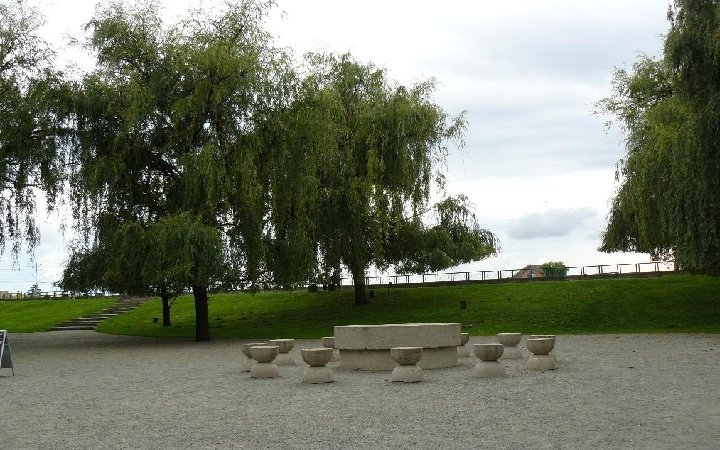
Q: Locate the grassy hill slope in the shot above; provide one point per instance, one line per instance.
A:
(26, 316)
(648, 305)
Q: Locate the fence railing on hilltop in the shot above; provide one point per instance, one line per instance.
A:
(52, 295)
(491, 276)
(522, 274)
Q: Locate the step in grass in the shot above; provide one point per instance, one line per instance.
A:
(72, 328)
(27, 316)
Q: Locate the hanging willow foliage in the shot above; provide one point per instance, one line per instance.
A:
(669, 201)
(33, 111)
(353, 169)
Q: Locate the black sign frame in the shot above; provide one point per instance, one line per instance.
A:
(5, 353)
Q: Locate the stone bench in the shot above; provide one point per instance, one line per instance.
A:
(367, 347)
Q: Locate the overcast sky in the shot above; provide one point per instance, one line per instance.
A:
(537, 164)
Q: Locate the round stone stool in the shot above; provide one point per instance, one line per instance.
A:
(488, 366)
(317, 371)
(540, 358)
(264, 366)
(406, 371)
(510, 342)
(248, 362)
(548, 336)
(329, 342)
(463, 352)
(285, 345)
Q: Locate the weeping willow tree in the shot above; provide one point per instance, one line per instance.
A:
(33, 111)
(668, 203)
(364, 153)
(165, 134)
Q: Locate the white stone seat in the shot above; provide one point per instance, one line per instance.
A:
(264, 367)
(541, 358)
(285, 345)
(510, 342)
(407, 370)
(317, 371)
(488, 366)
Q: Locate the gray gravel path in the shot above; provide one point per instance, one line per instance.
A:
(89, 390)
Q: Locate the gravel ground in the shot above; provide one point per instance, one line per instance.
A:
(89, 390)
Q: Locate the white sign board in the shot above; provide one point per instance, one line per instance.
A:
(5, 355)
(3, 335)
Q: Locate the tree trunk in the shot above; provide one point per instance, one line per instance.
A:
(166, 309)
(336, 279)
(202, 320)
(359, 282)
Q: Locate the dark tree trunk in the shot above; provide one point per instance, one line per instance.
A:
(359, 282)
(166, 309)
(202, 318)
(336, 279)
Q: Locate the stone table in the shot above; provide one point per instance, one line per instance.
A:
(367, 347)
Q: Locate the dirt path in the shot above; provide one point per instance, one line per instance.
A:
(88, 390)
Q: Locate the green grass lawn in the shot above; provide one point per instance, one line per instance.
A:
(647, 305)
(27, 316)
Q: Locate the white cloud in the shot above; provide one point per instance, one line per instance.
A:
(551, 223)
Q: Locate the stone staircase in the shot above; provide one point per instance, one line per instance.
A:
(123, 305)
